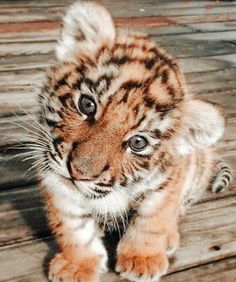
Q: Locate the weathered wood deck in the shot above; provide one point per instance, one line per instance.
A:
(202, 36)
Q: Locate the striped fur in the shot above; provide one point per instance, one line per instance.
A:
(222, 177)
(92, 179)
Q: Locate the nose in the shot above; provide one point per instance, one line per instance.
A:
(76, 174)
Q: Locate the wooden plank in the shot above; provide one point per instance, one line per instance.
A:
(207, 27)
(23, 260)
(20, 198)
(13, 171)
(14, 101)
(12, 49)
(214, 18)
(161, 3)
(206, 63)
(199, 244)
(211, 82)
(219, 271)
(29, 44)
(31, 29)
(127, 9)
(121, 10)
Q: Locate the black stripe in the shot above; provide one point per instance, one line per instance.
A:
(124, 98)
(227, 176)
(51, 123)
(62, 81)
(106, 167)
(149, 63)
(145, 165)
(95, 197)
(77, 84)
(225, 168)
(165, 76)
(157, 133)
(136, 110)
(53, 157)
(90, 83)
(138, 124)
(103, 184)
(124, 181)
(171, 91)
(224, 181)
(104, 192)
(119, 61)
(63, 99)
(131, 84)
(164, 107)
(149, 102)
(50, 109)
(141, 120)
(56, 142)
(81, 69)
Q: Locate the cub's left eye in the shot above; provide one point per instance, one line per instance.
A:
(87, 105)
(138, 143)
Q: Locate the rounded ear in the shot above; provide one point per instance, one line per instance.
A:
(87, 26)
(202, 126)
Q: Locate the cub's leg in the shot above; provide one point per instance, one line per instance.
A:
(153, 234)
(222, 177)
(82, 255)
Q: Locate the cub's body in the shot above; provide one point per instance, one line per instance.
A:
(121, 136)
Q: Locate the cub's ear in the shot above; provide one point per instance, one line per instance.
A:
(87, 26)
(202, 125)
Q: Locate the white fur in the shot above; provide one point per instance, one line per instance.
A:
(202, 126)
(151, 203)
(98, 247)
(89, 20)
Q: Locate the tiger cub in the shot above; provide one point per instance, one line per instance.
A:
(121, 136)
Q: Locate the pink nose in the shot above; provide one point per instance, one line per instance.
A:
(75, 173)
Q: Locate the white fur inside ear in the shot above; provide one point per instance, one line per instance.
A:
(87, 26)
(202, 126)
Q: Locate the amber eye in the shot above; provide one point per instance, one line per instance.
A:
(87, 105)
(138, 143)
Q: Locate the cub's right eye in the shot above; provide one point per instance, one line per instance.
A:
(87, 105)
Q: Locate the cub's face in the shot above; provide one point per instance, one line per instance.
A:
(115, 108)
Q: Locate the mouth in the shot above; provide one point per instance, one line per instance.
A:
(87, 188)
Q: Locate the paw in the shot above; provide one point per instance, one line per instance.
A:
(219, 188)
(140, 268)
(63, 270)
(172, 242)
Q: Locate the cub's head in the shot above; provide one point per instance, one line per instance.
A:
(115, 106)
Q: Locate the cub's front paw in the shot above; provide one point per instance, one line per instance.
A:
(141, 268)
(62, 269)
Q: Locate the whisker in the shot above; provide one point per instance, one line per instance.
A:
(35, 121)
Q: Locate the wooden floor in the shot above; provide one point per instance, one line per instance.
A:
(202, 36)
